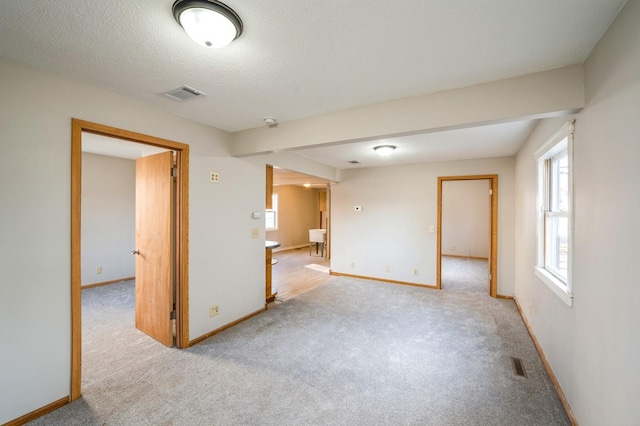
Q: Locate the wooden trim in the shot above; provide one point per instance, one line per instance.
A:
(100, 284)
(493, 255)
(182, 248)
(39, 412)
(340, 274)
(270, 296)
(268, 202)
(225, 327)
(500, 296)
(494, 237)
(182, 237)
(76, 274)
(465, 257)
(328, 220)
(114, 132)
(547, 366)
(280, 249)
(439, 238)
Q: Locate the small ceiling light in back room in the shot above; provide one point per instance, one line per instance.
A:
(384, 150)
(208, 22)
(270, 121)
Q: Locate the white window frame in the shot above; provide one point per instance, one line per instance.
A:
(560, 142)
(274, 211)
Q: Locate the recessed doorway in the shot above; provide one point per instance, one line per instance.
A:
(180, 234)
(455, 226)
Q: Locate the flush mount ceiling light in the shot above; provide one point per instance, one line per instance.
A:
(208, 22)
(270, 121)
(384, 150)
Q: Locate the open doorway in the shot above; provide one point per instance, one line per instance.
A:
(467, 233)
(178, 217)
(300, 203)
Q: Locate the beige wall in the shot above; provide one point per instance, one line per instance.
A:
(108, 218)
(399, 203)
(594, 346)
(226, 266)
(465, 218)
(297, 213)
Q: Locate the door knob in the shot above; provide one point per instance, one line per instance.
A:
(136, 251)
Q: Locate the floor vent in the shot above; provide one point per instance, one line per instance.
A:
(518, 367)
(183, 93)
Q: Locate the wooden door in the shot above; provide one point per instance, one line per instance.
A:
(154, 259)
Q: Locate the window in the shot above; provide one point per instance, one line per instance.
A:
(271, 215)
(555, 213)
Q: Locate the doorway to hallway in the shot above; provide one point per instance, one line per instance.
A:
(457, 219)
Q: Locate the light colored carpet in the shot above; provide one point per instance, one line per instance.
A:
(318, 268)
(350, 352)
(463, 274)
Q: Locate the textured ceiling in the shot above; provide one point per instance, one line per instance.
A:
(300, 58)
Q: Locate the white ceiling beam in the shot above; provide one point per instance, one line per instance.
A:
(543, 94)
(295, 163)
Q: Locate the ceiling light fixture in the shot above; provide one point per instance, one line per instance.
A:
(208, 22)
(270, 121)
(384, 150)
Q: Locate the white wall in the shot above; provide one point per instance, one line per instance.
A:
(398, 206)
(466, 218)
(594, 346)
(226, 266)
(108, 218)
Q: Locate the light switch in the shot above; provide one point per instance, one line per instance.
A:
(255, 233)
(432, 228)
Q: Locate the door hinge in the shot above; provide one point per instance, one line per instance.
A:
(491, 192)
(174, 172)
(174, 326)
(490, 277)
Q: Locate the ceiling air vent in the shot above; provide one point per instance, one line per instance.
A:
(183, 93)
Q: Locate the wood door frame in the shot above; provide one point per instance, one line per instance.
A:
(182, 235)
(493, 234)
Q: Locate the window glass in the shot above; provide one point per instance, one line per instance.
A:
(554, 219)
(271, 215)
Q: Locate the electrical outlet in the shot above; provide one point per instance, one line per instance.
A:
(415, 271)
(213, 310)
(255, 233)
(453, 248)
(99, 270)
(214, 177)
(353, 264)
(387, 268)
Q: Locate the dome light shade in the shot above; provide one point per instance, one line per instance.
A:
(384, 150)
(208, 22)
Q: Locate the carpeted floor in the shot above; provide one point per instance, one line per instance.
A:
(465, 274)
(350, 352)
